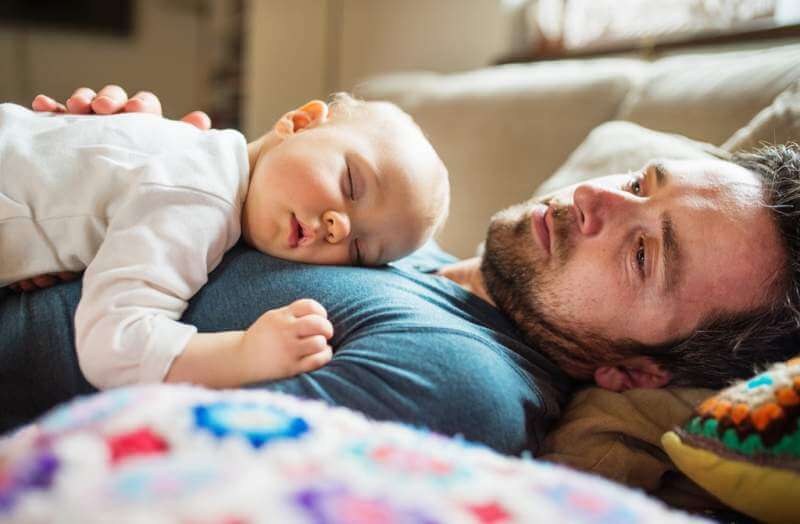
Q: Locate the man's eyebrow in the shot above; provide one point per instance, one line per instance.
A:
(672, 258)
(661, 173)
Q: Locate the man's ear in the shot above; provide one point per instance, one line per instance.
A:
(309, 115)
(636, 372)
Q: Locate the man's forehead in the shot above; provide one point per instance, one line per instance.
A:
(731, 262)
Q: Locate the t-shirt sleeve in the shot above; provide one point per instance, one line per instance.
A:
(158, 251)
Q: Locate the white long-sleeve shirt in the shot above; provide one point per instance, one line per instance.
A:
(148, 206)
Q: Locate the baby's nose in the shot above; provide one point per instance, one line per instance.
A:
(336, 226)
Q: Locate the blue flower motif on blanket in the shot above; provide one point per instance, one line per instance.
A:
(257, 423)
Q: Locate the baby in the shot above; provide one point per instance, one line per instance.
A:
(148, 207)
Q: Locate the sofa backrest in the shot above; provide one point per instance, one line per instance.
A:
(708, 97)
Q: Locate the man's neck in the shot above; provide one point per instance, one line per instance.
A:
(467, 274)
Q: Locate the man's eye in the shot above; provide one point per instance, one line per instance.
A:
(636, 187)
(640, 256)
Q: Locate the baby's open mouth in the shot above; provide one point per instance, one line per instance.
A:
(299, 235)
(295, 232)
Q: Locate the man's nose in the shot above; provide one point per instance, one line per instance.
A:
(597, 205)
(336, 226)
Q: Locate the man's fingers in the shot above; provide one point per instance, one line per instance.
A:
(66, 276)
(307, 306)
(43, 281)
(26, 285)
(45, 103)
(80, 103)
(144, 102)
(109, 100)
(310, 325)
(198, 119)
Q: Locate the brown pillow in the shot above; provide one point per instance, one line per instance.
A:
(618, 436)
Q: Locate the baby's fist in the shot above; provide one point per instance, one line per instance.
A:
(287, 341)
(311, 324)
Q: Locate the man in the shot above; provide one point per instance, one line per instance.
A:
(415, 347)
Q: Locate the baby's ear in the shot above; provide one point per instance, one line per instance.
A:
(309, 115)
(636, 372)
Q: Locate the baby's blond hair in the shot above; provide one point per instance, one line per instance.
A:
(343, 105)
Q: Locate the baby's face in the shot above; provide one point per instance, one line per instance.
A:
(361, 189)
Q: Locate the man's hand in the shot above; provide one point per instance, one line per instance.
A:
(113, 99)
(281, 343)
(43, 281)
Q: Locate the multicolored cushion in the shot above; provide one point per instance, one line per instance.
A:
(743, 445)
(184, 454)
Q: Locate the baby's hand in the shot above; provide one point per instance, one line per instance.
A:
(43, 281)
(286, 341)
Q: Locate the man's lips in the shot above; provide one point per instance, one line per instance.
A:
(539, 227)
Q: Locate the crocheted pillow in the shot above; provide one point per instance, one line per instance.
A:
(743, 445)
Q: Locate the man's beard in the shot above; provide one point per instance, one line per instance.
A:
(517, 277)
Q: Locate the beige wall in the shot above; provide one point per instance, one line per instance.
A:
(301, 49)
(165, 54)
(294, 50)
(284, 58)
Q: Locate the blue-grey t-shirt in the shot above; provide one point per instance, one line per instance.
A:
(409, 346)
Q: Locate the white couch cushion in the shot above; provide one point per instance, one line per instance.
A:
(777, 124)
(709, 96)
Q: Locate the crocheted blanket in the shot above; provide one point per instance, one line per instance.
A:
(185, 454)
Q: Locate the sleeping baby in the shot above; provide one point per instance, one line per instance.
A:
(148, 206)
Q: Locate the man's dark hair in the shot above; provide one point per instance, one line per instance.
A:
(731, 345)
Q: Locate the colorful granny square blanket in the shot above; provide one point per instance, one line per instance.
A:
(159, 454)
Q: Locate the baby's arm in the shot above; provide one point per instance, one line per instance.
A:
(156, 255)
(109, 100)
(282, 343)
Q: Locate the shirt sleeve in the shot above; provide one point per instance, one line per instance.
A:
(157, 253)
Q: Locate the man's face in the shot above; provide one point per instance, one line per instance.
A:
(642, 257)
